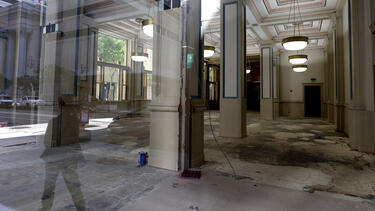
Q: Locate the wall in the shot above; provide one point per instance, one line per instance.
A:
(291, 83)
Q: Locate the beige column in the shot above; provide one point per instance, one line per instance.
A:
(233, 70)
(329, 75)
(276, 84)
(339, 73)
(164, 132)
(177, 107)
(194, 102)
(361, 114)
(61, 74)
(267, 78)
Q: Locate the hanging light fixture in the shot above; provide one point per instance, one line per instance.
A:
(300, 68)
(298, 59)
(139, 57)
(148, 27)
(295, 42)
(248, 71)
(208, 51)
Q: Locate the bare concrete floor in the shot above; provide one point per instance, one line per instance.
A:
(101, 173)
(293, 153)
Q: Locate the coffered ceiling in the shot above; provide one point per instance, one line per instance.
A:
(266, 19)
(269, 20)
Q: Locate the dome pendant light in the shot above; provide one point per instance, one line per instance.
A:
(139, 57)
(208, 51)
(295, 42)
(297, 59)
(148, 27)
(300, 68)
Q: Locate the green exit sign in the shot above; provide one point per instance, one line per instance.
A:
(190, 60)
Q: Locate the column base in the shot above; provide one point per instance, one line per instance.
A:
(164, 140)
(266, 109)
(361, 129)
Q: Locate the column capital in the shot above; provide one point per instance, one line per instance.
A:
(267, 43)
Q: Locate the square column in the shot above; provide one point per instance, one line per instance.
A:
(339, 73)
(360, 101)
(233, 73)
(165, 123)
(269, 83)
(64, 83)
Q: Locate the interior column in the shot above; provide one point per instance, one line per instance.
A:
(233, 73)
(59, 86)
(361, 113)
(164, 132)
(267, 82)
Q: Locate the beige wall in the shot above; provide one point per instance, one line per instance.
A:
(291, 83)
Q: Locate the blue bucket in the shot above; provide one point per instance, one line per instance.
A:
(142, 158)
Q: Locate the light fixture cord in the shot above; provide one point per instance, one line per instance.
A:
(300, 16)
(294, 16)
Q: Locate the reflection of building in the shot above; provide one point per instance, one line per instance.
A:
(20, 41)
(25, 50)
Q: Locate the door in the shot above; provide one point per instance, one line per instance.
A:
(253, 96)
(312, 101)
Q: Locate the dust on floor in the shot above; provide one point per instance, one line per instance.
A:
(293, 153)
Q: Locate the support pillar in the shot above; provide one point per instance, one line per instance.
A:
(61, 74)
(233, 70)
(177, 107)
(267, 77)
(361, 112)
(276, 84)
(339, 75)
(164, 132)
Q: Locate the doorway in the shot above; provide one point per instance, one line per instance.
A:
(312, 100)
(213, 87)
(253, 96)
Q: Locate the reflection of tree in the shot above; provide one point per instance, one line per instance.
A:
(110, 49)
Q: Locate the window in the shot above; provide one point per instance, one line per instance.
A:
(124, 88)
(99, 81)
(148, 75)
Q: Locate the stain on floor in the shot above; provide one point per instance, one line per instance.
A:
(293, 153)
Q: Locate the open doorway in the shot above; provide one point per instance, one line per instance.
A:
(213, 86)
(313, 100)
(253, 83)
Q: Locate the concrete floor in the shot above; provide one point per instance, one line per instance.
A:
(101, 173)
(293, 153)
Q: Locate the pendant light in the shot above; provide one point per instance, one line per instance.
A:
(298, 59)
(138, 56)
(148, 24)
(148, 27)
(300, 68)
(208, 51)
(295, 42)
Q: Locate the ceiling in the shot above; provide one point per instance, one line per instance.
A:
(266, 20)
